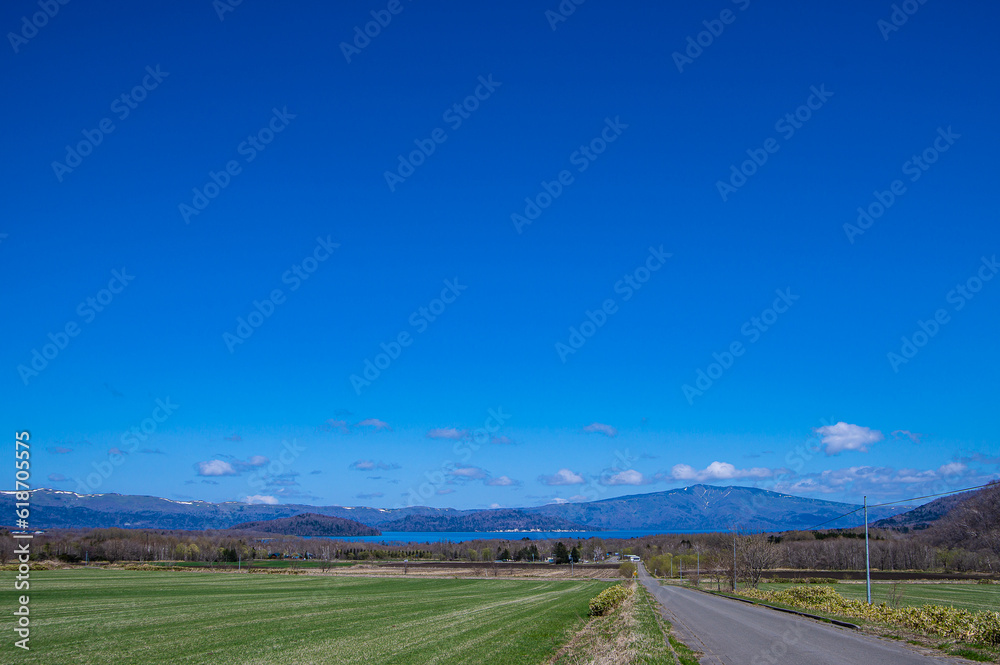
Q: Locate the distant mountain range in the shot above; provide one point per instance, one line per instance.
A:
(311, 524)
(696, 508)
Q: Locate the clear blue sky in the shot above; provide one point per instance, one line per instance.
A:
(629, 152)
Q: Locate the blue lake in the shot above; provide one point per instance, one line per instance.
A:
(463, 536)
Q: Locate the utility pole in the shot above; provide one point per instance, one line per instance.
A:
(698, 579)
(734, 560)
(868, 565)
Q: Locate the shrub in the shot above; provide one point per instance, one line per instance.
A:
(960, 624)
(609, 599)
(627, 570)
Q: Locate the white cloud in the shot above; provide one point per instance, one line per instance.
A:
(447, 433)
(216, 467)
(843, 436)
(628, 477)
(717, 471)
(601, 428)
(563, 477)
(341, 425)
(262, 498)
(369, 465)
(473, 472)
(502, 481)
(376, 423)
(952, 469)
(912, 436)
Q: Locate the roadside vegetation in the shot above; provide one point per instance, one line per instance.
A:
(630, 631)
(973, 634)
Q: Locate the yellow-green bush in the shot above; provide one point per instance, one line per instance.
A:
(609, 599)
(947, 621)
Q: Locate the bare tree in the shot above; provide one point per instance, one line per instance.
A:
(756, 553)
(979, 517)
(6, 548)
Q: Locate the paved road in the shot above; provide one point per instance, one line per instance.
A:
(729, 632)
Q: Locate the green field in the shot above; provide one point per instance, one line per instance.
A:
(257, 563)
(114, 616)
(964, 596)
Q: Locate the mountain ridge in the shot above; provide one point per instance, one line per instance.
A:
(695, 507)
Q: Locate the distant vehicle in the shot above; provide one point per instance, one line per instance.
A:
(633, 557)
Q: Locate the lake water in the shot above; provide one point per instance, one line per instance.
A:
(463, 536)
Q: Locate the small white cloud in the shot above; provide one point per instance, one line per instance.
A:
(216, 467)
(501, 440)
(447, 433)
(628, 477)
(717, 471)
(262, 498)
(376, 423)
(563, 477)
(843, 436)
(471, 472)
(502, 481)
(912, 436)
(363, 465)
(952, 469)
(339, 425)
(601, 428)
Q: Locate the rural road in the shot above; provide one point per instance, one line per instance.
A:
(729, 632)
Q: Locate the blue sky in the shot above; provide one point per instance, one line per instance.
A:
(643, 253)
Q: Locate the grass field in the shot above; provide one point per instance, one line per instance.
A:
(114, 616)
(257, 563)
(976, 597)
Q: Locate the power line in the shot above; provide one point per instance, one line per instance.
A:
(890, 503)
